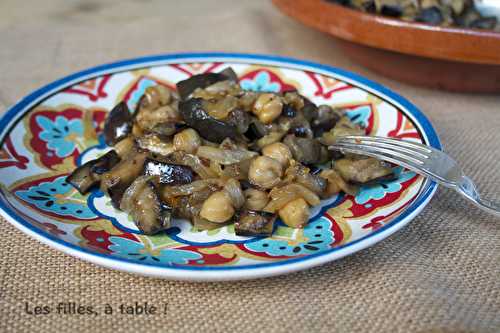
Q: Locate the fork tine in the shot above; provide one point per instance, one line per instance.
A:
(392, 153)
(418, 154)
(377, 139)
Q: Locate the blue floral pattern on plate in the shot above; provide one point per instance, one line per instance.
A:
(360, 115)
(317, 234)
(141, 88)
(378, 191)
(261, 82)
(57, 197)
(60, 134)
(130, 249)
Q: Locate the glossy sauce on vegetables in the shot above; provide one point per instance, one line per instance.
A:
(213, 153)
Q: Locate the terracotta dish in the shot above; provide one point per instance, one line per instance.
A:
(456, 59)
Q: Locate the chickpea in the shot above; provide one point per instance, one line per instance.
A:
(270, 139)
(268, 107)
(255, 199)
(187, 140)
(164, 94)
(278, 151)
(217, 208)
(265, 172)
(295, 214)
(155, 97)
(247, 100)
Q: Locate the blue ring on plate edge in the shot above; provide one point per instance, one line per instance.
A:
(432, 138)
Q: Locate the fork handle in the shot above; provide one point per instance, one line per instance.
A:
(468, 189)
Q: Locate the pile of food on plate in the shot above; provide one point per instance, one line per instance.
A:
(460, 13)
(214, 154)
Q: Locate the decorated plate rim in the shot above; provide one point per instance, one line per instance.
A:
(19, 109)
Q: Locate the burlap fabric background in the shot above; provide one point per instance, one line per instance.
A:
(440, 274)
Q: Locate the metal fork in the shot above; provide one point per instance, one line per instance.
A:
(424, 160)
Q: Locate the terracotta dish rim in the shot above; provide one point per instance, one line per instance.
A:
(449, 43)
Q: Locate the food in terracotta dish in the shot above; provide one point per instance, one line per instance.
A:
(461, 13)
(214, 154)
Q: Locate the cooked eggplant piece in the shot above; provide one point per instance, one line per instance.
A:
(256, 130)
(304, 176)
(363, 171)
(255, 223)
(82, 179)
(484, 23)
(116, 181)
(188, 86)
(304, 150)
(218, 106)
(165, 120)
(240, 119)
(142, 201)
(343, 127)
(325, 119)
(166, 129)
(369, 6)
(230, 74)
(169, 174)
(341, 2)
(300, 132)
(118, 124)
(89, 174)
(309, 110)
(192, 161)
(435, 12)
(289, 111)
(105, 163)
(157, 144)
(208, 127)
(337, 183)
(298, 125)
(392, 10)
(124, 146)
(189, 207)
(431, 15)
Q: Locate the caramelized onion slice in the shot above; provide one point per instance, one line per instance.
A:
(225, 156)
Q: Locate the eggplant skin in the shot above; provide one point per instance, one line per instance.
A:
(118, 124)
(169, 174)
(325, 119)
(87, 175)
(208, 127)
(186, 87)
(115, 193)
(105, 163)
(230, 74)
(255, 223)
(240, 119)
(151, 215)
(304, 150)
(142, 201)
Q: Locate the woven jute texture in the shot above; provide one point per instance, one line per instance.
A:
(439, 274)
